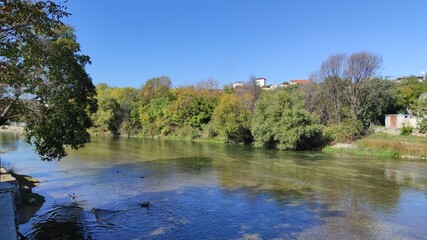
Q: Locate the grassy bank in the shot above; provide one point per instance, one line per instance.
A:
(385, 145)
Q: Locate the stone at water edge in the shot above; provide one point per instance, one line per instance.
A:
(25, 189)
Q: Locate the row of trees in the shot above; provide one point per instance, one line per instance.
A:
(341, 101)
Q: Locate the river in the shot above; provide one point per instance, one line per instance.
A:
(218, 191)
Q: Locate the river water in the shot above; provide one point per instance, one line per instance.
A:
(218, 191)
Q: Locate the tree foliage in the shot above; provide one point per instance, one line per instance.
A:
(43, 79)
(281, 121)
(191, 107)
(156, 87)
(408, 91)
(156, 98)
(421, 111)
(154, 116)
(118, 110)
(232, 119)
(346, 87)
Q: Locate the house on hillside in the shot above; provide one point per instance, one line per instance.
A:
(238, 84)
(262, 82)
(420, 78)
(396, 121)
(299, 82)
(274, 86)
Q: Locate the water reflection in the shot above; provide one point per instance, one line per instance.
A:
(9, 141)
(216, 191)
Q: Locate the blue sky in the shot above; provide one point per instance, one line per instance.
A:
(132, 41)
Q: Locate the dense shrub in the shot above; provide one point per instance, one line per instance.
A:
(423, 125)
(344, 132)
(281, 121)
(231, 119)
(406, 130)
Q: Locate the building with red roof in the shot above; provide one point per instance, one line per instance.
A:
(299, 82)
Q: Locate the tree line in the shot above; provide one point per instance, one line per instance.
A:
(344, 97)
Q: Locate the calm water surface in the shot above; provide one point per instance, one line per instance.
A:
(217, 191)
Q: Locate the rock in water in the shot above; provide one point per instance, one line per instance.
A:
(145, 204)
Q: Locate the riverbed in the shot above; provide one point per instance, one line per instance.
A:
(219, 191)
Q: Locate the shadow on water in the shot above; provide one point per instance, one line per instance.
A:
(62, 222)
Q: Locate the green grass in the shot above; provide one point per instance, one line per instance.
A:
(401, 138)
(386, 145)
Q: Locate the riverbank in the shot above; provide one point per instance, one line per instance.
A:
(162, 137)
(27, 202)
(12, 128)
(30, 202)
(380, 144)
(384, 145)
(9, 197)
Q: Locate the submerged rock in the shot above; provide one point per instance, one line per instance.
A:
(145, 204)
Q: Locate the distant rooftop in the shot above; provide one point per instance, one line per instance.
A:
(299, 82)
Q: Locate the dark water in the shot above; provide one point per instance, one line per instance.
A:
(217, 191)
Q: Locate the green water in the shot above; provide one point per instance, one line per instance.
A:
(217, 191)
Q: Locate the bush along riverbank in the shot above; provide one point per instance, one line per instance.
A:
(385, 145)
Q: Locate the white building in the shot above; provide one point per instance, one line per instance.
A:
(396, 121)
(262, 82)
(238, 84)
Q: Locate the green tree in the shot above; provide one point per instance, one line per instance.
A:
(118, 110)
(281, 121)
(153, 111)
(379, 101)
(43, 79)
(408, 91)
(129, 100)
(110, 116)
(232, 119)
(154, 118)
(58, 104)
(191, 107)
(156, 87)
(420, 108)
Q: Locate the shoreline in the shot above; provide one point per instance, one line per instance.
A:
(379, 144)
(412, 147)
(8, 128)
(28, 202)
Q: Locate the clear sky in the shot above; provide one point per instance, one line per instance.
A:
(131, 41)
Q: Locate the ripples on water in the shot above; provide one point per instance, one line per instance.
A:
(215, 191)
